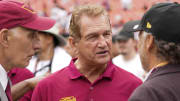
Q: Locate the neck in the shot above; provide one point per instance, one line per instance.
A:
(6, 66)
(129, 56)
(89, 70)
(5, 62)
(156, 63)
(46, 54)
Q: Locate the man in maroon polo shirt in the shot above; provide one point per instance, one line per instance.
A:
(18, 39)
(92, 76)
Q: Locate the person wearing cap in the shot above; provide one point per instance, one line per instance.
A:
(128, 59)
(51, 57)
(18, 39)
(115, 50)
(159, 49)
(91, 76)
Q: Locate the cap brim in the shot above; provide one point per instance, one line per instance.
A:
(133, 26)
(120, 37)
(61, 40)
(40, 23)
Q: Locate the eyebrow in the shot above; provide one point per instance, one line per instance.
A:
(94, 33)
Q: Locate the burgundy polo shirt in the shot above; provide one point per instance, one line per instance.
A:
(69, 84)
(19, 74)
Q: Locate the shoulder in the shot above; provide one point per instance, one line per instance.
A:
(19, 74)
(124, 79)
(152, 90)
(147, 92)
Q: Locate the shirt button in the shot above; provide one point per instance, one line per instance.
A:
(91, 88)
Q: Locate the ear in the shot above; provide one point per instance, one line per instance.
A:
(4, 37)
(149, 42)
(73, 44)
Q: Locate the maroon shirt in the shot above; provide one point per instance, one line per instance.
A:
(19, 74)
(68, 84)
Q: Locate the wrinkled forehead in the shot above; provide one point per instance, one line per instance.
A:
(92, 24)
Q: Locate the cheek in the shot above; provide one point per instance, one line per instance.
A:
(26, 46)
(109, 44)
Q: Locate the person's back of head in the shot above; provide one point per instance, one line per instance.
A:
(160, 33)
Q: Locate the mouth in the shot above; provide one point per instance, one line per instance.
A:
(29, 57)
(102, 52)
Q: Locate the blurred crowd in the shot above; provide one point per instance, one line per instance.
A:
(120, 11)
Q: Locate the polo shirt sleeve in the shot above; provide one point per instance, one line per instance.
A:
(144, 93)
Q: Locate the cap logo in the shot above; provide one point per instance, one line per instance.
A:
(135, 26)
(148, 25)
(27, 9)
(70, 98)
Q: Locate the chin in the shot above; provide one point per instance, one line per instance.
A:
(103, 60)
(24, 65)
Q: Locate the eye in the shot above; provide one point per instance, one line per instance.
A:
(92, 36)
(107, 34)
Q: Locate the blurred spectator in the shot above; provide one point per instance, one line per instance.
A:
(126, 4)
(51, 56)
(129, 58)
(68, 47)
(60, 15)
(115, 50)
(42, 7)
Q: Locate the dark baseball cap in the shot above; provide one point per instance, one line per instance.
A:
(126, 31)
(162, 21)
(13, 14)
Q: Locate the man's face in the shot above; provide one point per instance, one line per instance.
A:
(21, 46)
(96, 40)
(142, 51)
(126, 46)
(45, 40)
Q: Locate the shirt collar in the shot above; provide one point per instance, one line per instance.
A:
(3, 77)
(169, 68)
(148, 74)
(12, 72)
(109, 70)
(74, 73)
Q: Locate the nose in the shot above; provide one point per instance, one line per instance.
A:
(36, 42)
(102, 42)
